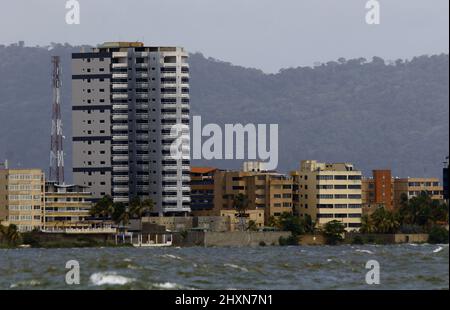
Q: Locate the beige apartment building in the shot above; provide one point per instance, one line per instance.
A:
(266, 190)
(236, 223)
(66, 207)
(328, 191)
(22, 198)
(412, 187)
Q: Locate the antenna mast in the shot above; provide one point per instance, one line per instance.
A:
(56, 145)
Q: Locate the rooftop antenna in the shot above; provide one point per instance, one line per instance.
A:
(56, 173)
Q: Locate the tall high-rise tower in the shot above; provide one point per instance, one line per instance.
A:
(56, 173)
(126, 98)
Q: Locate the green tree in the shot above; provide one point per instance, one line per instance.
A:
(438, 234)
(289, 222)
(140, 207)
(367, 226)
(120, 214)
(11, 234)
(422, 211)
(252, 226)
(333, 232)
(240, 204)
(385, 221)
(272, 221)
(308, 224)
(103, 208)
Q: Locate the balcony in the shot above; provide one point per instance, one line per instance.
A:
(120, 158)
(143, 157)
(120, 137)
(170, 167)
(141, 127)
(142, 188)
(142, 95)
(122, 116)
(142, 147)
(168, 116)
(141, 75)
(142, 85)
(142, 106)
(170, 198)
(120, 168)
(120, 107)
(120, 199)
(119, 54)
(121, 178)
(170, 177)
(120, 75)
(120, 127)
(120, 65)
(121, 189)
(120, 96)
(120, 147)
(119, 86)
(142, 65)
(142, 116)
(142, 137)
(141, 54)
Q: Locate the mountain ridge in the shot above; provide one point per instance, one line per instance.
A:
(370, 113)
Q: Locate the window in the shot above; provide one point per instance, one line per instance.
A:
(340, 196)
(354, 215)
(340, 187)
(323, 177)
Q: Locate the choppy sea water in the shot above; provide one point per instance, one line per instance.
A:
(408, 266)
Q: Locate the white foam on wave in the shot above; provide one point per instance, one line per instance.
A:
(171, 256)
(364, 251)
(236, 267)
(437, 250)
(166, 285)
(25, 283)
(109, 278)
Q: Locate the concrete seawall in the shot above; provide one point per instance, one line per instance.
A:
(232, 239)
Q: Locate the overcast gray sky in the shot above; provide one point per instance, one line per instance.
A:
(265, 34)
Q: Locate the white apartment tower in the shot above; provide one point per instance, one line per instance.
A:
(126, 97)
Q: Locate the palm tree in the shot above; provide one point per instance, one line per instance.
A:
(252, 226)
(240, 203)
(367, 226)
(140, 207)
(385, 221)
(12, 234)
(333, 231)
(2, 231)
(273, 222)
(120, 214)
(103, 208)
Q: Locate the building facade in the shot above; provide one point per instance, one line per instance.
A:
(202, 190)
(328, 192)
(22, 198)
(413, 187)
(377, 191)
(241, 223)
(266, 190)
(445, 180)
(126, 99)
(66, 206)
